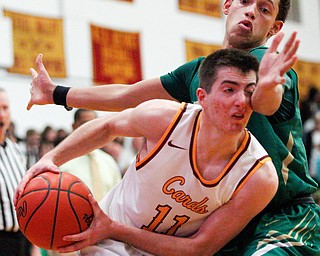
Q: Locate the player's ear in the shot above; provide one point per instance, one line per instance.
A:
(201, 95)
(277, 26)
(226, 6)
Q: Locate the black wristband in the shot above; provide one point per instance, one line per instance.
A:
(60, 96)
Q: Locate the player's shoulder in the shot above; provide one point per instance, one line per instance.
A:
(192, 64)
(259, 52)
(156, 110)
(257, 152)
(152, 118)
(197, 60)
(161, 105)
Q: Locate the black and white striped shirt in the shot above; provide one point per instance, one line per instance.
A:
(12, 168)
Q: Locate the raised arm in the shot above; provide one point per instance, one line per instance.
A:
(142, 121)
(267, 96)
(220, 227)
(113, 97)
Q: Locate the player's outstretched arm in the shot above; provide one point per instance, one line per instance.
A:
(267, 97)
(142, 121)
(113, 97)
(220, 227)
(83, 140)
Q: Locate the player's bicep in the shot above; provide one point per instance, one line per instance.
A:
(122, 124)
(149, 120)
(256, 193)
(230, 219)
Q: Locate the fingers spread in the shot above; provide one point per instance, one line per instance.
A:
(276, 42)
(290, 42)
(30, 104)
(33, 73)
(39, 61)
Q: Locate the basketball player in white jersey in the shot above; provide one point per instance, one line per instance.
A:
(200, 177)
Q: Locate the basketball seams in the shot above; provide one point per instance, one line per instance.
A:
(55, 189)
(38, 207)
(75, 193)
(64, 194)
(56, 211)
(71, 205)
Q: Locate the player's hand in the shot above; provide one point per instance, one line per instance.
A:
(274, 65)
(268, 94)
(41, 91)
(39, 167)
(99, 229)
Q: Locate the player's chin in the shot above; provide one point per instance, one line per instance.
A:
(236, 126)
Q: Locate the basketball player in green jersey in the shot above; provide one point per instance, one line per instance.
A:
(290, 224)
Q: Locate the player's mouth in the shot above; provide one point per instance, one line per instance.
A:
(1, 124)
(246, 25)
(239, 114)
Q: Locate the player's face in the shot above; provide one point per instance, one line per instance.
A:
(4, 114)
(228, 105)
(250, 22)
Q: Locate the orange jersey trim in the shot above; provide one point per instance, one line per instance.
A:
(164, 138)
(211, 183)
(249, 174)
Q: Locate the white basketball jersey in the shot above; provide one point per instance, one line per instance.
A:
(165, 193)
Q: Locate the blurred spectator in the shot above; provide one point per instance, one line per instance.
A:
(61, 134)
(114, 148)
(11, 133)
(31, 146)
(312, 144)
(131, 146)
(124, 150)
(47, 141)
(309, 107)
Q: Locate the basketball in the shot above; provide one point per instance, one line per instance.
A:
(53, 206)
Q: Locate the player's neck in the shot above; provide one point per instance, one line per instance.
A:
(213, 155)
(217, 146)
(246, 47)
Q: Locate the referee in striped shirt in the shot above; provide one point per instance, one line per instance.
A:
(12, 169)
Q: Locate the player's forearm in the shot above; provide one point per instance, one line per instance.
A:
(82, 141)
(103, 97)
(155, 243)
(116, 97)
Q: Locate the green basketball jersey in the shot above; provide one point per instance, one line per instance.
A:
(280, 134)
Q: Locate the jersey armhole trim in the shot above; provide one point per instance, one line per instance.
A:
(249, 174)
(164, 138)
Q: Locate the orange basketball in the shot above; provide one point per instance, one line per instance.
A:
(53, 206)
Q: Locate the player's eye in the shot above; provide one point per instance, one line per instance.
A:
(228, 89)
(244, 1)
(249, 92)
(265, 10)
